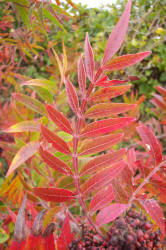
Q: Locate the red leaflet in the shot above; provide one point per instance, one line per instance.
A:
(149, 138)
(102, 161)
(122, 62)
(101, 199)
(117, 35)
(161, 90)
(59, 119)
(81, 75)
(99, 144)
(103, 178)
(34, 242)
(159, 101)
(105, 126)
(102, 110)
(110, 213)
(122, 186)
(133, 78)
(110, 83)
(105, 94)
(72, 96)
(89, 59)
(56, 141)
(103, 79)
(154, 210)
(54, 194)
(131, 158)
(66, 237)
(55, 163)
(18, 245)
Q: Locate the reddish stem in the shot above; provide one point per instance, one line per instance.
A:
(146, 180)
(75, 162)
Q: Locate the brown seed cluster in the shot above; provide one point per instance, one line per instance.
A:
(131, 232)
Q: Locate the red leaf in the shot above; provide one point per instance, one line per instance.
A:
(154, 210)
(66, 237)
(102, 161)
(102, 110)
(55, 163)
(59, 119)
(12, 215)
(117, 35)
(149, 138)
(81, 75)
(99, 144)
(54, 194)
(131, 158)
(122, 62)
(110, 83)
(56, 141)
(133, 78)
(18, 245)
(101, 199)
(89, 59)
(161, 90)
(105, 94)
(34, 242)
(105, 126)
(48, 241)
(72, 96)
(110, 213)
(102, 178)
(159, 102)
(101, 78)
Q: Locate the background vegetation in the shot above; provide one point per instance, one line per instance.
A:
(44, 40)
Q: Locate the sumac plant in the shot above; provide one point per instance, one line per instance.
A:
(93, 180)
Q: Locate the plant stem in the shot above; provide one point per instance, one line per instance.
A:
(146, 180)
(75, 163)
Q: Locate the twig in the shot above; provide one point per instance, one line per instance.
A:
(146, 180)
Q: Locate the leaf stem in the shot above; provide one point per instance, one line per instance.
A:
(75, 163)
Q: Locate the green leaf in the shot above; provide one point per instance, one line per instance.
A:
(3, 236)
(43, 93)
(49, 85)
(23, 10)
(23, 127)
(48, 15)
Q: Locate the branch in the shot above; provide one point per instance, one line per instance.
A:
(146, 180)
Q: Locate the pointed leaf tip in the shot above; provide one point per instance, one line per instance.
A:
(72, 96)
(117, 35)
(20, 227)
(124, 61)
(89, 59)
(81, 75)
(38, 223)
(27, 151)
